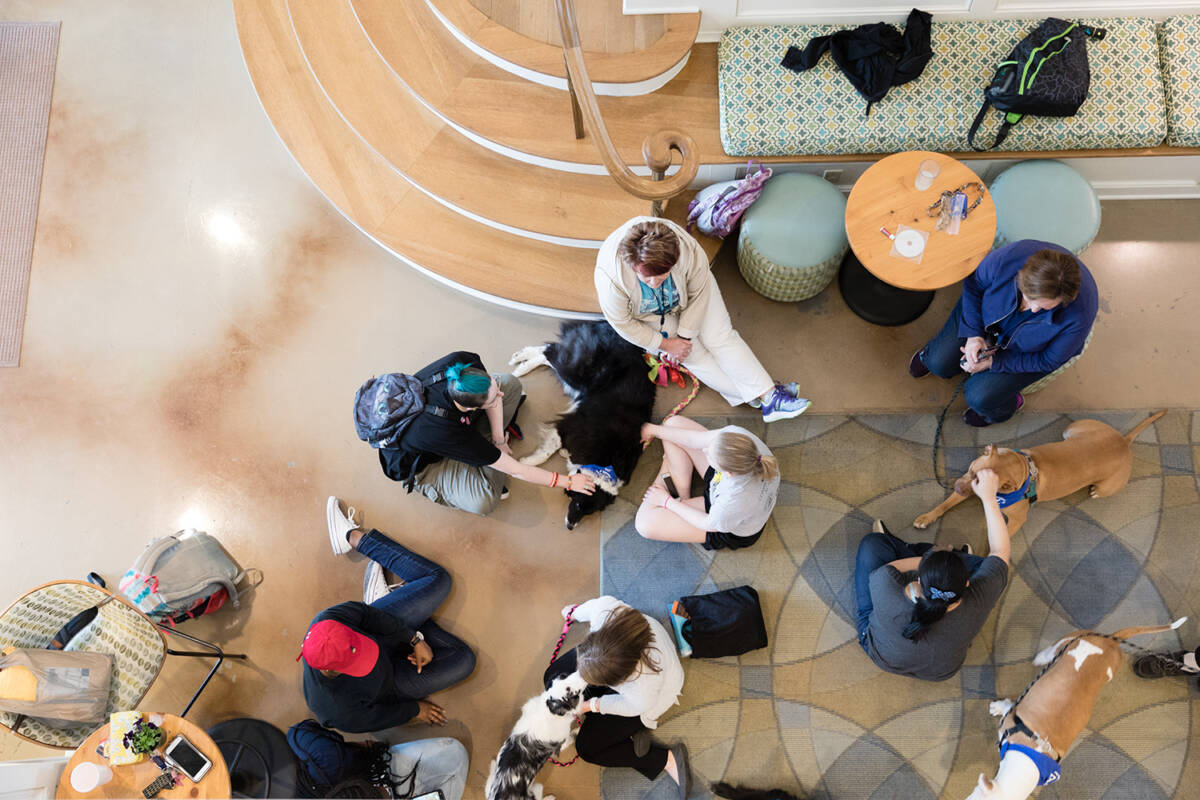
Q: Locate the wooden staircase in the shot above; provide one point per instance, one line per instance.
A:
(461, 168)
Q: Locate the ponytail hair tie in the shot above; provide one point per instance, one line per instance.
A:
(938, 594)
(759, 460)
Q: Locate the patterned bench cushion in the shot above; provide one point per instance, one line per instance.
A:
(767, 110)
(1180, 39)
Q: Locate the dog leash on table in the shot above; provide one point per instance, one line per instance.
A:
(937, 436)
(659, 366)
(562, 637)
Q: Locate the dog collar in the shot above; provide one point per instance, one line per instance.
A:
(1049, 770)
(605, 477)
(1027, 490)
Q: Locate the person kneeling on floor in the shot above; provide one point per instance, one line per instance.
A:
(368, 667)
(741, 485)
(1025, 311)
(454, 454)
(657, 291)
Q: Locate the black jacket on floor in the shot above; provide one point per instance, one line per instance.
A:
(874, 57)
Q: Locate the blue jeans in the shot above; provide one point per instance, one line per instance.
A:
(434, 763)
(426, 585)
(875, 550)
(993, 395)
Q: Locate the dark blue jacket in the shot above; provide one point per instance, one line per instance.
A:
(1042, 344)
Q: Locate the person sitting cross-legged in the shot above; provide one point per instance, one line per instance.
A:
(369, 667)
(741, 485)
(919, 606)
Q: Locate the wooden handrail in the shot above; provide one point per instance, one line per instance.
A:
(657, 148)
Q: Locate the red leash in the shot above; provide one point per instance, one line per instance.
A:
(562, 637)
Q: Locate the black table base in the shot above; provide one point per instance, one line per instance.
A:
(875, 301)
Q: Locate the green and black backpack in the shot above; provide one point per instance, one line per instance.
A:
(1046, 74)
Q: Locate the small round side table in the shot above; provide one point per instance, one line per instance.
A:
(887, 290)
(130, 779)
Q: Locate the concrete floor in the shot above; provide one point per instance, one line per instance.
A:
(199, 318)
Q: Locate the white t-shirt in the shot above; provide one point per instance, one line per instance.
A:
(644, 694)
(741, 504)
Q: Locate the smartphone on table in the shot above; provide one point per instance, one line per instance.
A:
(184, 756)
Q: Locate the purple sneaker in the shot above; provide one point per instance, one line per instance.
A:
(783, 405)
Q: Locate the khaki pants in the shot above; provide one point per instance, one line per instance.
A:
(720, 358)
(474, 489)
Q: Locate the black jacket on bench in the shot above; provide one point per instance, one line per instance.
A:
(874, 57)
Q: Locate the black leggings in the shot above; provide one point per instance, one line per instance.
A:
(607, 739)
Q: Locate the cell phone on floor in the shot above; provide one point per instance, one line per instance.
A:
(436, 794)
(670, 484)
(184, 756)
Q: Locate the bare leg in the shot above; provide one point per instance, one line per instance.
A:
(660, 524)
(679, 461)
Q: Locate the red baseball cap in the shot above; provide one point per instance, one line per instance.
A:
(332, 645)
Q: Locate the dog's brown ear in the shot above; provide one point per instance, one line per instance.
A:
(985, 783)
(990, 450)
(962, 486)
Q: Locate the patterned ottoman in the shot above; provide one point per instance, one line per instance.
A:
(1042, 383)
(1046, 200)
(767, 110)
(1180, 39)
(793, 238)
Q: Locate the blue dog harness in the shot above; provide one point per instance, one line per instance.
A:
(1048, 769)
(604, 476)
(1027, 490)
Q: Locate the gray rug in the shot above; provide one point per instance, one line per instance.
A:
(28, 51)
(811, 712)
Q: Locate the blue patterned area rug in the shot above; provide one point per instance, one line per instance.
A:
(811, 713)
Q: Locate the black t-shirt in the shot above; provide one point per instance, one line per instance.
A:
(432, 437)
(372, 702)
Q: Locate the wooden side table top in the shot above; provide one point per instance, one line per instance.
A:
(884, 197)
(130, 779)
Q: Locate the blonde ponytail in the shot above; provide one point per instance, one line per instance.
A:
(737, 454)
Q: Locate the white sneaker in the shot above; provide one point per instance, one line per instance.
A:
(375, 585)
(339, 525)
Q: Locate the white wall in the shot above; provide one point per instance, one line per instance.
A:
(717, 15)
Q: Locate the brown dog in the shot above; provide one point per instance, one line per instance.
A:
(1091, 454)
(1054, 710)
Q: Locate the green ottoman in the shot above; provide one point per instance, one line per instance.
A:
(1048, 201)
(793, 238)
(1042, 383)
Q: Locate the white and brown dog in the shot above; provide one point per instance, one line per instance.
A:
(543, 731)
(1035, 735)
(1091, 454)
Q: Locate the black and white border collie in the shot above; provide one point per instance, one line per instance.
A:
(606, 378)
(543, 731)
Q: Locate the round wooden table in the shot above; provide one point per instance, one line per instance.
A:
(889, 290)
(130, 779)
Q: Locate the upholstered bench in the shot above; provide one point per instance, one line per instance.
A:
(1180, 40)
(767, 110)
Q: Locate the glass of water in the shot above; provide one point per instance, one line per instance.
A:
(928, 170)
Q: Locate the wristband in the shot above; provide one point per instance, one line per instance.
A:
(664, 505)
(592, 706)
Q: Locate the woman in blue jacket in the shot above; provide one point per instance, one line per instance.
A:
(1026, 310)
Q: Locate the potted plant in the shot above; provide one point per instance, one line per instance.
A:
(143, 737)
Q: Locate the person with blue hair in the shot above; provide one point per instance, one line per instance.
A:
(458, 455)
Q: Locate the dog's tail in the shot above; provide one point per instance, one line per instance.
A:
(1139, 630)
(741, 793)
(1141, 426)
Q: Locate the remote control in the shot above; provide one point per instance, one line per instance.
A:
(163, 781)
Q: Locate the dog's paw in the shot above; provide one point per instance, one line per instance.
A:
(527, 359)
(998, 708)
(924, 521)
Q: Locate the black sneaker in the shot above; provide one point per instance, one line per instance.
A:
(965, 549)
(916, 367)
(1160, 665)
(974, 419)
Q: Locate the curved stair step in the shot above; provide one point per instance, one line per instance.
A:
(509, 269)
(526, 120)
(622, 74)
(573, 209)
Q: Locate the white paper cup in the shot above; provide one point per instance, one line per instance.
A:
(928, 170)
(89, 776)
